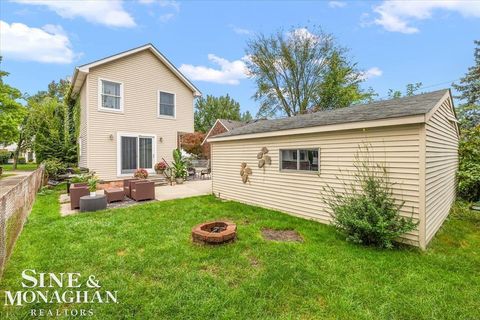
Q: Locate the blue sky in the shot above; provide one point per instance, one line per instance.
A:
(395, 43)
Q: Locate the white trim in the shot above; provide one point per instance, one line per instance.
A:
(326, 128)
(163, 116)
(137, 135)
(85, 69)
(100, 92)
(208, 134)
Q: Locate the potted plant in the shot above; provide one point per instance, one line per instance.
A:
(179, 166)
(141, 174)
(92, 185)
(160, 167)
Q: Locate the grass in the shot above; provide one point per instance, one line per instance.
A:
(4, 175)
(145, 252)
(20, 167)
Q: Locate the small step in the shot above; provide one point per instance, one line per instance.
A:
(158, 180)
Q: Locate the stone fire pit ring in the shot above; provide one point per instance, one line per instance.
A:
(215, 232)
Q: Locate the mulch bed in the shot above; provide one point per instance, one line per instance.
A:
(281, 235)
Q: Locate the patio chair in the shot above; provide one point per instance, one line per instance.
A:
(191, 172)
(77, 190)
(127, 186)
(207, 171)
(143, 190)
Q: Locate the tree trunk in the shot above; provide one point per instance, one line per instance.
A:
(16, 154)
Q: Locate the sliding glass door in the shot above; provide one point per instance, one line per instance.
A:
(136, 152)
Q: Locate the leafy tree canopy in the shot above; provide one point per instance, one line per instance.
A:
(302, 71)
(209, 109)
(11, 111)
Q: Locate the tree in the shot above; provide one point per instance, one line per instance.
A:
(469, 86)
(469, 118)
(11, 111)
(209, 109)
(192, 143)
(298, 72)
(410, 90)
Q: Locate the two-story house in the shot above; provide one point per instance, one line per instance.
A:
(133, 107)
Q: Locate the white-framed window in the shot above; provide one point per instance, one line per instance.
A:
(110, 95)
(166, 104)
(300, 159)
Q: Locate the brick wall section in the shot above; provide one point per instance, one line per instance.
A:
(217, 129)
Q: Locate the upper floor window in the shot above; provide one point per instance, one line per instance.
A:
(111, 95)
(299, 159)
(166, 104)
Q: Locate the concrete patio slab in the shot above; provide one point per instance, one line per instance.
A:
(185, 190)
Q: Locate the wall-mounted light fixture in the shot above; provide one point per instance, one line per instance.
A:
(110, 137)
(160, 139)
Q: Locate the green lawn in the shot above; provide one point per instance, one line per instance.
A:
(145, 252)
(4, 175)
(21, 167)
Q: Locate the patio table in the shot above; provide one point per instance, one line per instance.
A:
(89, 203)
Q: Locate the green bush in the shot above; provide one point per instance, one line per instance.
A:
(469, 165)
(22, 160)
(53, 168)
(4, 156)
(366, 212)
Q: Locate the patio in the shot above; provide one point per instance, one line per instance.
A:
(188, 189)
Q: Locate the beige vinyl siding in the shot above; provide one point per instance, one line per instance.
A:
(441, 167)
(82, 161)
(142, 76)
(299, 193)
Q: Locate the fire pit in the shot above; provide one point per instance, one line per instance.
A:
(215, 232)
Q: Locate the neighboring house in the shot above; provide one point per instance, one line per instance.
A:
(28, 155)
(220, 126)
(133, 106)
(417, 138)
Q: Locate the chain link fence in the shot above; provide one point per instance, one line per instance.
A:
(15, 206)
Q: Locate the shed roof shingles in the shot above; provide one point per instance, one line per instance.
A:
(394, 108)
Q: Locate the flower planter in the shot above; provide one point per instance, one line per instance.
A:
(179, 180)
(160, 171)
(93, 193)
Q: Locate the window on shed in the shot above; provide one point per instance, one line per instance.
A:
(299, 159)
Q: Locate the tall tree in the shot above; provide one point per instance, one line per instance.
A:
(410, 90)
(469, 86)
(209, 109)
(301, 71)
(11, 110)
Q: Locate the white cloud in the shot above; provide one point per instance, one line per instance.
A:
(336, 4)
(110, 13)
(166, 17)
(49, 44)
(303, 33)
(241, 31)
(371, 73)
(230, 72)
(397, 16)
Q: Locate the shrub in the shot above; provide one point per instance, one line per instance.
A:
(22, 160)
(53, 167)
(141, 174)
(4, 156)
(469, 165)
(366, 212)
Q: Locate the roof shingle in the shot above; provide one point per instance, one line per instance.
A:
(394, 108)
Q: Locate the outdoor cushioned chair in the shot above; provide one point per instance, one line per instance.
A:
(77, 190)
(143, 190)
(127, 188)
